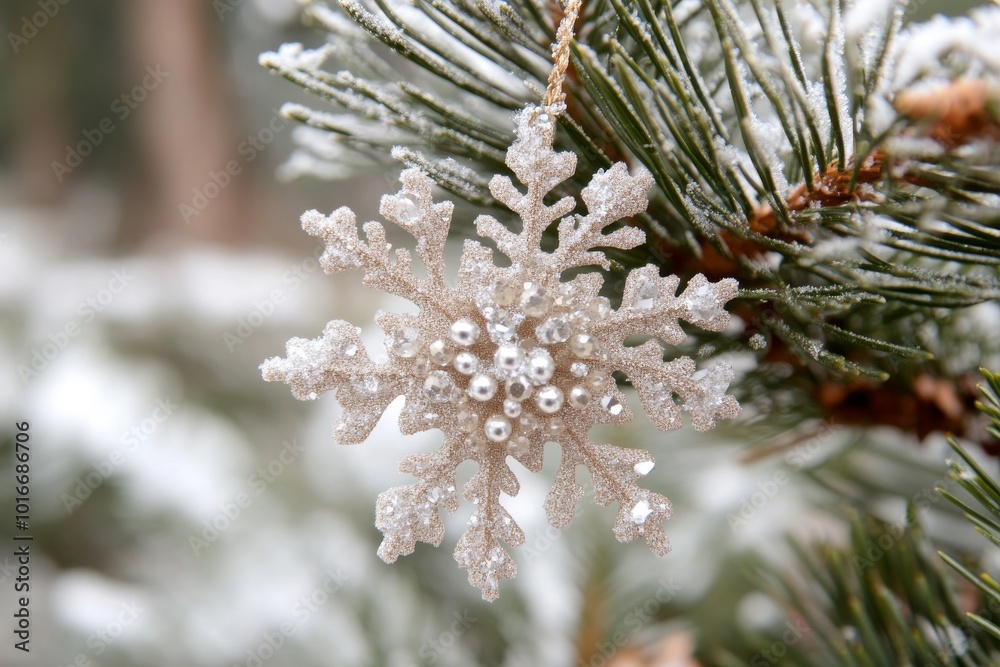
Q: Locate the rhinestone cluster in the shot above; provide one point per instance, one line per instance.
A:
(516, 365)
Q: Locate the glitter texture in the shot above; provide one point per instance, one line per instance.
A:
(518, 357)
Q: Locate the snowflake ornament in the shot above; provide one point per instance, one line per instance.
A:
(512, 357)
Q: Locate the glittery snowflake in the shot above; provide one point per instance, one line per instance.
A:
(512, 357)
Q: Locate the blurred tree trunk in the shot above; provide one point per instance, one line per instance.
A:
(187, 126)
(39, 111)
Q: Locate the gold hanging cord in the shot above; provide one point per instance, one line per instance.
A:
(554, 94)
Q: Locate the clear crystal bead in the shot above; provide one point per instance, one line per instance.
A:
(566, 296)
(597, 379)
(467, 419)
(640, 512)
(644, 467)
(502, 325)
(599, 308)
(543, 119)
(351, 350)
(407, 211)
(647, 293)
(440, 353)
(518, 387)
(579, 369)
(553, 330)
(519, 445)
(477, 441)
(701, 305)
(583, 345)
(579, 397)
(511, 408)
(438, 386)
(367, 386)
(612, 405)
(421, 365)
(528, 423)
(505, 294)
(535, 300)
(555, 427)
(406, 342)
(549, 399)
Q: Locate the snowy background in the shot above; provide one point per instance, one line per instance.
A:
(187, 513)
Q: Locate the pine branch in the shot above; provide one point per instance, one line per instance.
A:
(885, 598)
(854, 206)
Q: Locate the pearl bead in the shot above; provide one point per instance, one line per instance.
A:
(549, 399)
(583, 345)
(518, 388)
(508, 358)
(497, 428)
(464, 332)
(540, 366)
(482, 387)
(579, 397)
(440, 353)
(466, 363)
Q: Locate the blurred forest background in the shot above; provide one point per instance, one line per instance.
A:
(185, 512)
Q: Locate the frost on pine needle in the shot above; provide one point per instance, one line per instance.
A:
(512, 357)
